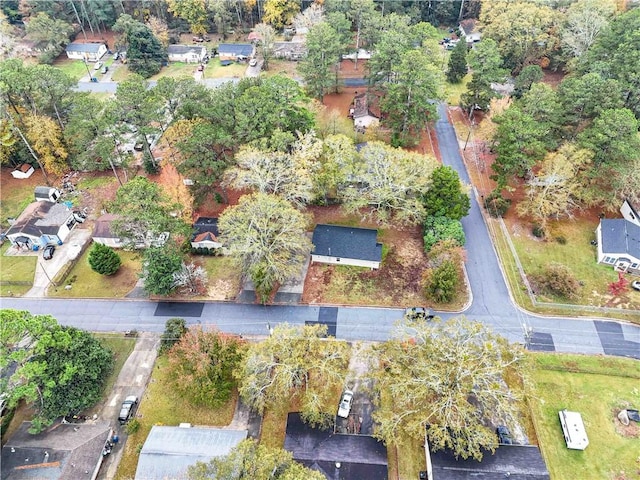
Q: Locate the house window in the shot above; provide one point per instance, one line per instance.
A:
(337, 259)
(608, 260)
(634, 265)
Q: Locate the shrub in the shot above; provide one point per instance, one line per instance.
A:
(496, 205)
(104, 260)
(556, 279)
(148, 164)
(538, 231)
(437, 229)
(132, 427)
(443, 282)
(174, 329)
(561, 239)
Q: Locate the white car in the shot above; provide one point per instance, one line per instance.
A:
(97, 66)
(345, 404)
(636, 285)
(253, 62)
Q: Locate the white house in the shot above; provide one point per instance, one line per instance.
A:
(340, 245)
(186, 53)
(102, 231)
(364, 110)
(91, 52)
(168, 452)
(469, 30)
(40, 224)
(205, 233)
(23, 171)
(618, 240)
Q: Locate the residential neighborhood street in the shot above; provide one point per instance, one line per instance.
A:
(491, 302)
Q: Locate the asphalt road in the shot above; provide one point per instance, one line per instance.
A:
(491, 303)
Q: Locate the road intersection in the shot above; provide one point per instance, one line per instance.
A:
(491, 303)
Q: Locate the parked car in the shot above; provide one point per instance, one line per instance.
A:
(104, 70)
(636, 285)
(253, 62)
(198, 39)
(345, 404)
(126, 411)
(97, 66)
(201, 68)
(116, 55)
(47, 253)
(504, 436)
(417, 313)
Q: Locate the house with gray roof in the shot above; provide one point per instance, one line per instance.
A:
(186, 53)
(40, 224)
(290, 50)
(169, 451)
(68, 451)
(618, 240)
(520, 462)
(91, 52)
(336, 455)
(235, 51)
(340, 245)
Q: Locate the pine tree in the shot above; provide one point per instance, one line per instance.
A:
(104, 260)
(457, 63)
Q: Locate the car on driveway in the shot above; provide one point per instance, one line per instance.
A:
(200, 68)
(636, 285)
(104, 69)
(47, 253)
(97, 66)
(126, 411)
(345, 404)
(253, 62)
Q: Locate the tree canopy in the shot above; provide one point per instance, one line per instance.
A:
(59, 370)
(461, 367)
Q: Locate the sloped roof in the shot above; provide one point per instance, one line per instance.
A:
(102, 226)
(84, 47)
(235, 49)
(68, 451)
(169, 451)
(468, 26)
(206, 224)
(347, 242)
(183, 49)
(291, 48)
(360, 456)
(41, 218)
(620, 236)
(24, 168)
(519, 462)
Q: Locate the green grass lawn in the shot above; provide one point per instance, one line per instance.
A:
(85, 283)
(597, 387)
(76, 69)
(120, 73)
(453, 91)
(224, 276)
(16, 195)
(176, 70)
(578, 255)
(162, 406)
(215, 70)
(16, 269)
(89, 183)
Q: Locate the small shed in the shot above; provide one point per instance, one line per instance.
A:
(235, 51)
(23, 171)
(91, 52)
(47, 194)
(186, 53)
(573, 429)
(340, 245)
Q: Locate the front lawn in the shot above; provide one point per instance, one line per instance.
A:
(176, 70)
(453, 91)
(577, 254)
(597, 388)
(161, 405)
(16, 272)
(76, 69)
(224, 276)
(17, 193)
(214, 70)
(85, 283)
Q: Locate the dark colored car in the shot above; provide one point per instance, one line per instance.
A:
(47, 253)
(126, 411)
(504, 436)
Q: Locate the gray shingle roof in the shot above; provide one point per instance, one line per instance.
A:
(235, 49)
(182, 49)
(347, 242)
(520, 462)
(169, 451)
(84, 47)
(620, 236)
(360, 456)
(41, 218)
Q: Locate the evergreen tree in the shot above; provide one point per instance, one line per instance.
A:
(104, 260)
(145, 52)
(457, 63)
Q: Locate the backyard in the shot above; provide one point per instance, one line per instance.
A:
(598, 388)
(160, 405)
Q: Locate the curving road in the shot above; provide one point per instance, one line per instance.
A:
(491, 303)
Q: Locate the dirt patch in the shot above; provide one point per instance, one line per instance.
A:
(628, 431)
